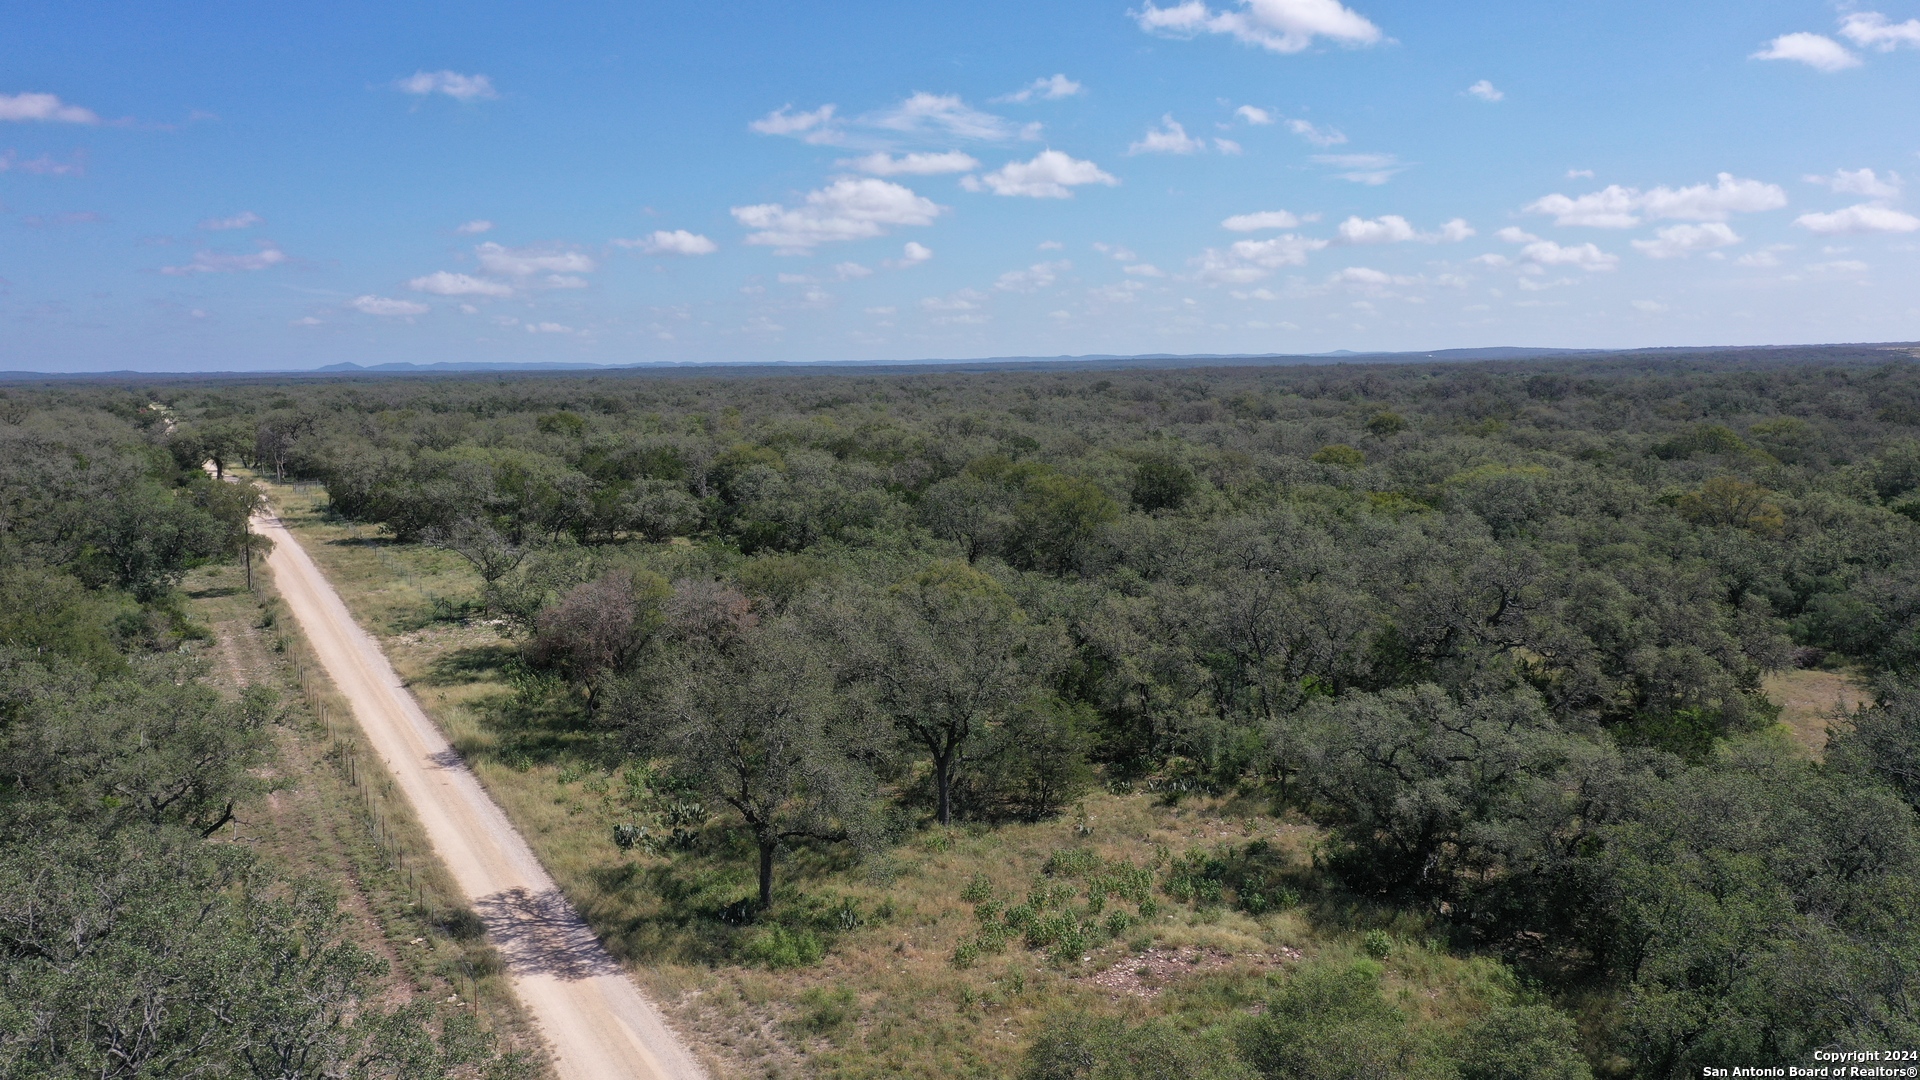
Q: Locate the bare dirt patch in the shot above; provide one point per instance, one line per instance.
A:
(1147, 974)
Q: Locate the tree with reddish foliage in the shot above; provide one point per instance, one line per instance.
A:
(600, 628)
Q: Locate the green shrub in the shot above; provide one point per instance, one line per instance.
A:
(965, 954)
(1340, 454)
(1330, 1022)
(978, 891)
(778, 947)
(1051, 928)
(1071, 862)
(1523, 1042)
(823, 1010)
(1135, 883)
(1080, 1047)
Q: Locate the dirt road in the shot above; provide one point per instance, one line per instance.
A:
(597, 1022)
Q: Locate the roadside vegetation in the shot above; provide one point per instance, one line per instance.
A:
(1305, 722)
(175, 835)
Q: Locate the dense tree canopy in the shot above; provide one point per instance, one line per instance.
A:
(1498, 629)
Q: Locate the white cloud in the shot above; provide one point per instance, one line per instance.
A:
(1281, 26)
(44, 107)
(1168, 138)
(246, 219)
(1228, 146)
(1394, 229)
(1121, 292)
(1814, 50)
(445, 283)
(1584, 256)
(1033, 278)
(475, 227)
(451, 83)
(1264, 219)
(1318, 136)
(1616, 207)
(525, 262)
(1680, 241)
(1368, 276)
(1051, 88)
(1547, 253)
(208, 262)
(1860, 182)
(813, 125)
(1050, 245)
(1116, 252)
(847, 209)
(677, 242)
(924, 114)
(1370, 169)
(565, 281)
(1143, 270)
(962, 301)
(550, 328)
(1254, 115)
(1839, 266)
(1651, 307)
(882, 164)
(44, 165)
(1758, 258)
(1250, 260)
(1485, 91)
(1872, 30)
(381, 305)
(849, 271)
(306, 320)
(1050, 175)
(1610, 208)
(1702, 203)
(1579, 174)
(1864, 218)
(1390, 229)
(912, 255)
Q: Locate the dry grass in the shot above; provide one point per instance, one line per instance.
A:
(1810, 701)
(887, 998)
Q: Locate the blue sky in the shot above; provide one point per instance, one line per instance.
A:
(288, 185)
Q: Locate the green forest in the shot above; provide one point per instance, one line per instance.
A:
(1495, 634)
